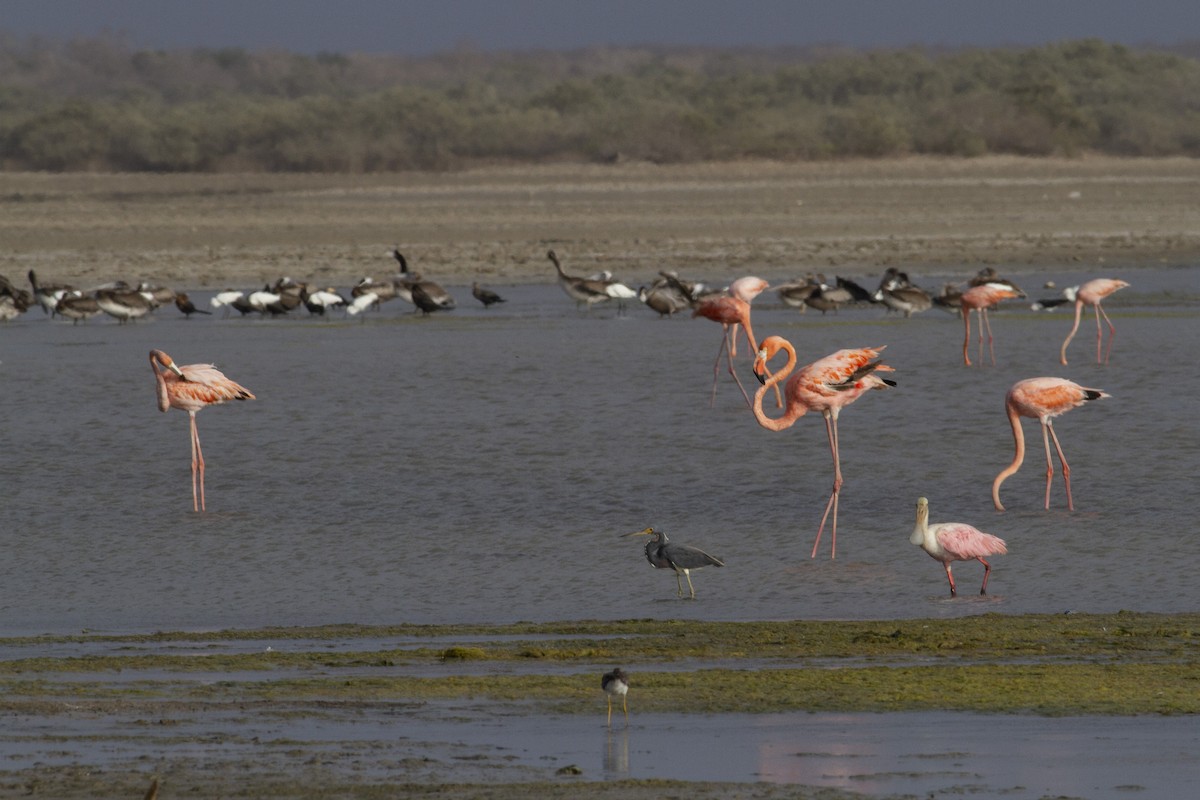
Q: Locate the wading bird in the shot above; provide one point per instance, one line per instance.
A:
(827, 385)
(979, 299)
(680, 557)
(616, 683)
(485, 296)
(1042, 399)
(190, 389)
(731, 310)
(955, 541)
(1091, 293)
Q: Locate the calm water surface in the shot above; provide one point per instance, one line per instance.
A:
(479, 467)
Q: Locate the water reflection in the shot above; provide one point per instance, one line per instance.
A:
(615, 759)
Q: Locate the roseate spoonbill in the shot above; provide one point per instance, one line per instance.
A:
(955, 541)
(190, 389)
(826, 385)
(979, 299)
(616, 683)
(485, 296)
(1091, 293)
(731, 310)
(1042, 399)
(662, 554)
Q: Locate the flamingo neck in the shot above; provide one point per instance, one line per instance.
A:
(1062, 356)
(792, 411)
(1014, 419)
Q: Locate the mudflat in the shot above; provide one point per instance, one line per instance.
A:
(495, 224)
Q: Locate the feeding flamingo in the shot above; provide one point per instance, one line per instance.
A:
(190, 389)
(1091, 293)
(826, 385)
(731, 310)
(1042, 399)
(955, 541)
(979, 299)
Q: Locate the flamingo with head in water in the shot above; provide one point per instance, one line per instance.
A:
(731, 310)
(1043, 399)
(1090, 294)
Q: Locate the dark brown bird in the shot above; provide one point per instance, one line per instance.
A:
(187, 306)
(485, 296)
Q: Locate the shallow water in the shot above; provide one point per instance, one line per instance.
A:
(479, 466)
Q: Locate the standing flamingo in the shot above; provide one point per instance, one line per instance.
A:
(979, 299)
(1091, 293)
(190, 389)
(955, 541)
(731, 310)
(1043, 399)
(826, 385)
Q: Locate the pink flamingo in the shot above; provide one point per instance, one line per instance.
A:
(1042, 399)
(1091, 293)
(827, 385)
(190, 389)
(980, 298)
(731, 310)
(955, 541)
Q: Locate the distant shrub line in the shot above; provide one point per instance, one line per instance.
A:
(97, 104)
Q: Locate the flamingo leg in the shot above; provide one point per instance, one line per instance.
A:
(831, 430)
(991, 348)
(949, 577)
(731, 342)
(1049, 463)
(197, 464)
(967, 337)
(1066, 469)
(1112, 333)
(987, 570)
(717, 364)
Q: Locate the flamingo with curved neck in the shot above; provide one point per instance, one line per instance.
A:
(1091, 293)
(827, 386)
(1042, 399)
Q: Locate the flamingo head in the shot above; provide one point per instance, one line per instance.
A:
(766, 351)
(161, 358)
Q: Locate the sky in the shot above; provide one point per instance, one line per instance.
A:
(423, 27)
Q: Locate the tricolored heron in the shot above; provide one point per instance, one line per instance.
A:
(680, 557)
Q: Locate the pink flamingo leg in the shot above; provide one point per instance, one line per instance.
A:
(991, 348)
(831, 430)
(197, 465)
(1049, 463)
(727, 347)
(967, 337)
(1066, 468)
(1112, 333)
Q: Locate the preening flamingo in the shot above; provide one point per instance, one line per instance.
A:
(827, 386)
(955, 541)
(979, 299)
(1091, 293)
(731, 310)
(190, 389)
(1043, 399)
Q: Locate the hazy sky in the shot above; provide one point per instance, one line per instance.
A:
(418, 27)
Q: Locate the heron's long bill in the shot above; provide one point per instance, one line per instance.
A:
(644, 532)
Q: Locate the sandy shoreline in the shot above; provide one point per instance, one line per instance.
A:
(930, 216)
